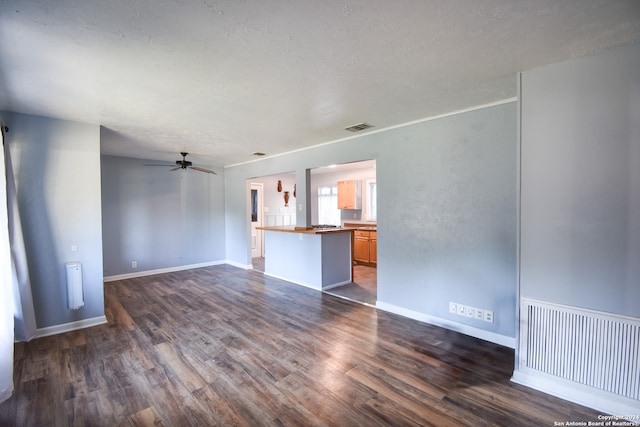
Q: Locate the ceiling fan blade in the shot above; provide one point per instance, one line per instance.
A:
(184, 164)
(202, 169)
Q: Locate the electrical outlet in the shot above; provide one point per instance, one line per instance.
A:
(470, 312)
(453, 308)
(134, 264)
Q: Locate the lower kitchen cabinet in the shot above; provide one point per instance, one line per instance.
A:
(373, 248)
(365, 247)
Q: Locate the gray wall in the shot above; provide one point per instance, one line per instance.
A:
(446, 211)
(580, 214)
(447, 216)
(159, 218)
(57, 167)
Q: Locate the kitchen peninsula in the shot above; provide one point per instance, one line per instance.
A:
(318, 258)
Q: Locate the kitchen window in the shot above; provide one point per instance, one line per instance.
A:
(328, 212)
(371, 207)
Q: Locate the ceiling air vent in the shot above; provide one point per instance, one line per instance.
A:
(359, 127)
(258, 153)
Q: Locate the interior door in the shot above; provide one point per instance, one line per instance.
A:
(257, 246)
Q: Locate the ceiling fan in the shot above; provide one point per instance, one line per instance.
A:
(185, 164)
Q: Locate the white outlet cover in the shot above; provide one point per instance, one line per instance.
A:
(479, 314)
(488, 316)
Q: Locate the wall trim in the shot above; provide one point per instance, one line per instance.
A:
(71, 326)
(306, 285)
(164, 270)
(600, 400)
(239, 265)
(426, 119)
(336, 285)
(7, 392)
(447, 324)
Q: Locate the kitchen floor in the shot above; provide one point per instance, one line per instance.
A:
(258, 264)
(363, 289)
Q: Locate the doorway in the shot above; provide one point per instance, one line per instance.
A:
(363, 289)
(362, 217)
(257, 209)
(271, 202)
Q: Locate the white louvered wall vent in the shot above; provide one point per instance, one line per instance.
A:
(597, 349)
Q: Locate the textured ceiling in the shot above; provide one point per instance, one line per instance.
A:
(224, 79)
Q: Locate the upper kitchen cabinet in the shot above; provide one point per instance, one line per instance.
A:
(349, 194)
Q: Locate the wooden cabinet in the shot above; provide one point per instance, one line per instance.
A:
(361, 247)
(373, 248)
(365, 247)
(349, 195)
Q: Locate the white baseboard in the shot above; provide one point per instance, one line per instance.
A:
(6, 393)
(163, 270)
(237, 264)
(71, 326)
(581, 394)
(335, 285)
(306, 285)
(447, 324)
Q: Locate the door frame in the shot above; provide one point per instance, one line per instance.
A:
(259, 187)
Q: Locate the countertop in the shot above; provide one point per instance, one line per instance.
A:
(364, 226)
(293, 229)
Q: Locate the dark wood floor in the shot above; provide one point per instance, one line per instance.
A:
(225, 346)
